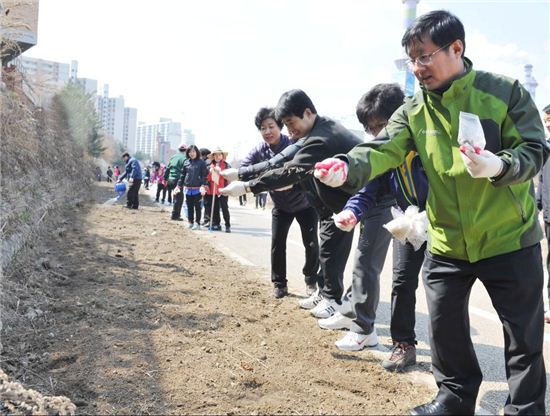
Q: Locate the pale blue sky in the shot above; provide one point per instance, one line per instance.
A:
(214, 63)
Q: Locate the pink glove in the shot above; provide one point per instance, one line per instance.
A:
(345, 220)
(332, 172)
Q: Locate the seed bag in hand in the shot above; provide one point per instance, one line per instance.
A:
(411, 226)
(470, 131)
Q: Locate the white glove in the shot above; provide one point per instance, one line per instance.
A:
(203, 190)
(481, 163)
(345, 220)
(176, 190)
(215, 174)
(332, 172)
(236, 188)
(230, 174)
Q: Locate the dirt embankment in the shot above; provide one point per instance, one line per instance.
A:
(127, 312)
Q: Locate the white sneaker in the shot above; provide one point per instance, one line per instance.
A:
(312, 301)
(353, 341)
(196, 227)
(325, 309)
(336, 321)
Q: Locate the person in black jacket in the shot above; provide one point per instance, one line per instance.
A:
(543, 200)
(193, 178)
(322, 137)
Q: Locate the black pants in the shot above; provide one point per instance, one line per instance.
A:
(406, 267)
(161, 188)
(334, 249)
(220, 202)
(261, 200)
(169, 188)
(514, 283)
(193, 208)
(280, 225)
(207, 202)
(178, 199)
(132, 198)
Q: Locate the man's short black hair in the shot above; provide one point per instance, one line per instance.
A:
(293, 103)
(126, 154)
(546, 109)
(263, 114)
(379, 103)
(440, 26)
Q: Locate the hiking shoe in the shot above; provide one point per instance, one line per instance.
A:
(177, 219)
(311, 289)
(312, 301)
(227, 229)
(280, 292)
(402, 355)
(353, 341)
(190, 226)
(325, 309)
(216, 228)
(336, 321)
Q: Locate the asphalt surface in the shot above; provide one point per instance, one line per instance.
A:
(249, 243)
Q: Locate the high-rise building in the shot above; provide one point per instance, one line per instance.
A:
(88, 85)
(150, 135)
(188, 136)
(111, 114)
(42, 71)
(129, 129)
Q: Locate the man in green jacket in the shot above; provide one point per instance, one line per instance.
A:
(172, 175)
(481, 210)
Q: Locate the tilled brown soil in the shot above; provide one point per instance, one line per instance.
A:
(127, 312)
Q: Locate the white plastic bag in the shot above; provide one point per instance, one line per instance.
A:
(411, 226)
(470, 131)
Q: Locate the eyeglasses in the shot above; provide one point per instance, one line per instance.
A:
(425, 59)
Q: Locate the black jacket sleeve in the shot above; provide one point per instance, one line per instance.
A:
(277, 161)
(298, 169)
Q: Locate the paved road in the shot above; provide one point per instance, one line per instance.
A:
(250, 242)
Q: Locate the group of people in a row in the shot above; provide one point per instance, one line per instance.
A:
(482, 216)
(191, 175)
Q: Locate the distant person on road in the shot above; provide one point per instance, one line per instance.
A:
(109, 174)
(172, 176)
(481, 209)
(288, 205)
(217, 182)
(206, 198)
(543, 201)
(98, 173)
(261, 200)
(157, 177)
(146, 177)
(193, 181)
(133, 174)
(116, 172)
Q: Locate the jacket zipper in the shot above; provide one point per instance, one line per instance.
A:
(518, 205)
